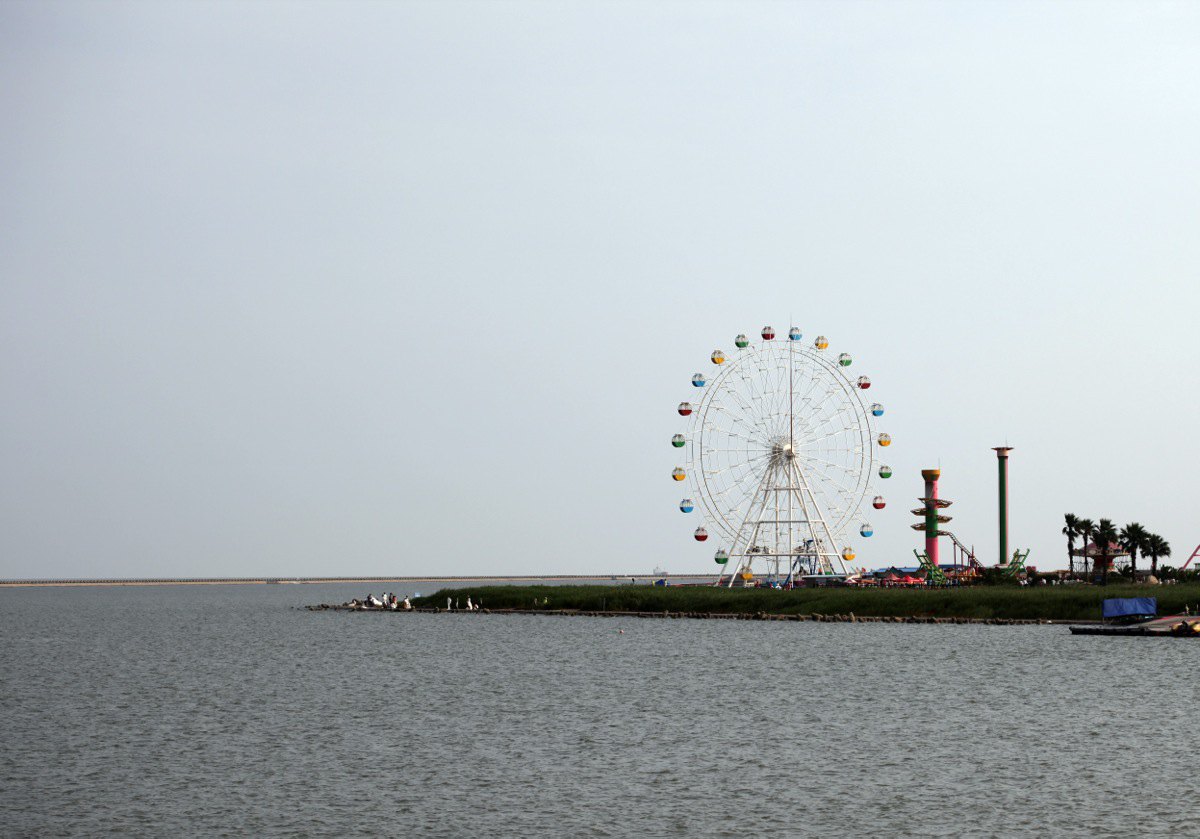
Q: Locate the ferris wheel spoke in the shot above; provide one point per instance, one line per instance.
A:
(741, 497)
(849, 497)
(736, 396)
(808, 458)
(758, 386)
(750, 418)
(772, 386)
(838, 485)
(785, 373)
(738, 435)
(813, 382)
(751, 462)
(849, 464)
(735, 471)
(731, 498)
(738, 474)
(833, 433)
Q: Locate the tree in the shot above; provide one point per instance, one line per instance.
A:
(1071, 531)
(1133, 538)
(1105, 535)
(1086, 528)
(1155, 547)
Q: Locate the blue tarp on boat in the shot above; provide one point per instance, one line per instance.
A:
(1130, 607)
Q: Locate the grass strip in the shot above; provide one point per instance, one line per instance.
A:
(981, 602)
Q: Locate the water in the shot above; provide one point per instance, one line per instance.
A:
(228, 710)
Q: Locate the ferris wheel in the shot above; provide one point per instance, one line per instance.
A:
(780, 454)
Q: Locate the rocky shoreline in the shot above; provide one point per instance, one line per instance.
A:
(744, 616)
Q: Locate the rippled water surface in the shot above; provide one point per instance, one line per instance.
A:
(209, 710)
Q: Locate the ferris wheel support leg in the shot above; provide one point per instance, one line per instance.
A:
(750, 537)
(816, 521)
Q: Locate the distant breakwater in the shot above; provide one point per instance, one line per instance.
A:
(225, 581)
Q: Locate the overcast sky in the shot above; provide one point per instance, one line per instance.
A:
(399, 288)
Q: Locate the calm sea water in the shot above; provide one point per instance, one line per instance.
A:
(229, 710)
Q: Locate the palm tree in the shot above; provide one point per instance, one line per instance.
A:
(1105, 535)
(1148, 551)
(1071, 531)
(1086, 529)
(1133, 538)
(1156, 546)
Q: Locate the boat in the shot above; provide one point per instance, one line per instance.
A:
(1173, 626)
(1139, 616)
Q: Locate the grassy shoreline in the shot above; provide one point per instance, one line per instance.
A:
(980, 602)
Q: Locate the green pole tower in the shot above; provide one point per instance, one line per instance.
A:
(1002, 459)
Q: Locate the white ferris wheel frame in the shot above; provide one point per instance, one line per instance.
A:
(792, 487)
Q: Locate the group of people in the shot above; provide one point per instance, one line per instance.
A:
(384, 601)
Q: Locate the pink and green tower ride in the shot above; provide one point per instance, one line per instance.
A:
(931, 513)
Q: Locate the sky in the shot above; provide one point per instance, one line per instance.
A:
(329, 289)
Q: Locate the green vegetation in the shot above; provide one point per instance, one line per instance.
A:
(1132, 538)
(1078, 602)
(1156, 548)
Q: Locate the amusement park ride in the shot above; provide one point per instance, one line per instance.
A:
(781, 449)
(965, 565)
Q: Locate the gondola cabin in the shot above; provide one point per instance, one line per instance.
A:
(686, 505)
(885, 471)
(822, 343)
(876, 409)
(721, 557)
(884, 440)
(718, 357)
(701, 534)
(863, 382)
(794, 334)
(698, 380)
(679, 441)
(741, 342)
(768, 333)
(678, 474)
(685, 408)
(845, 359)
(878, 503)
(866, 530)
(847, 554)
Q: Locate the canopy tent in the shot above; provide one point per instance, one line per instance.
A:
(1130, 607)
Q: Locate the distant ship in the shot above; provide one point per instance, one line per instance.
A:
(660, 572)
